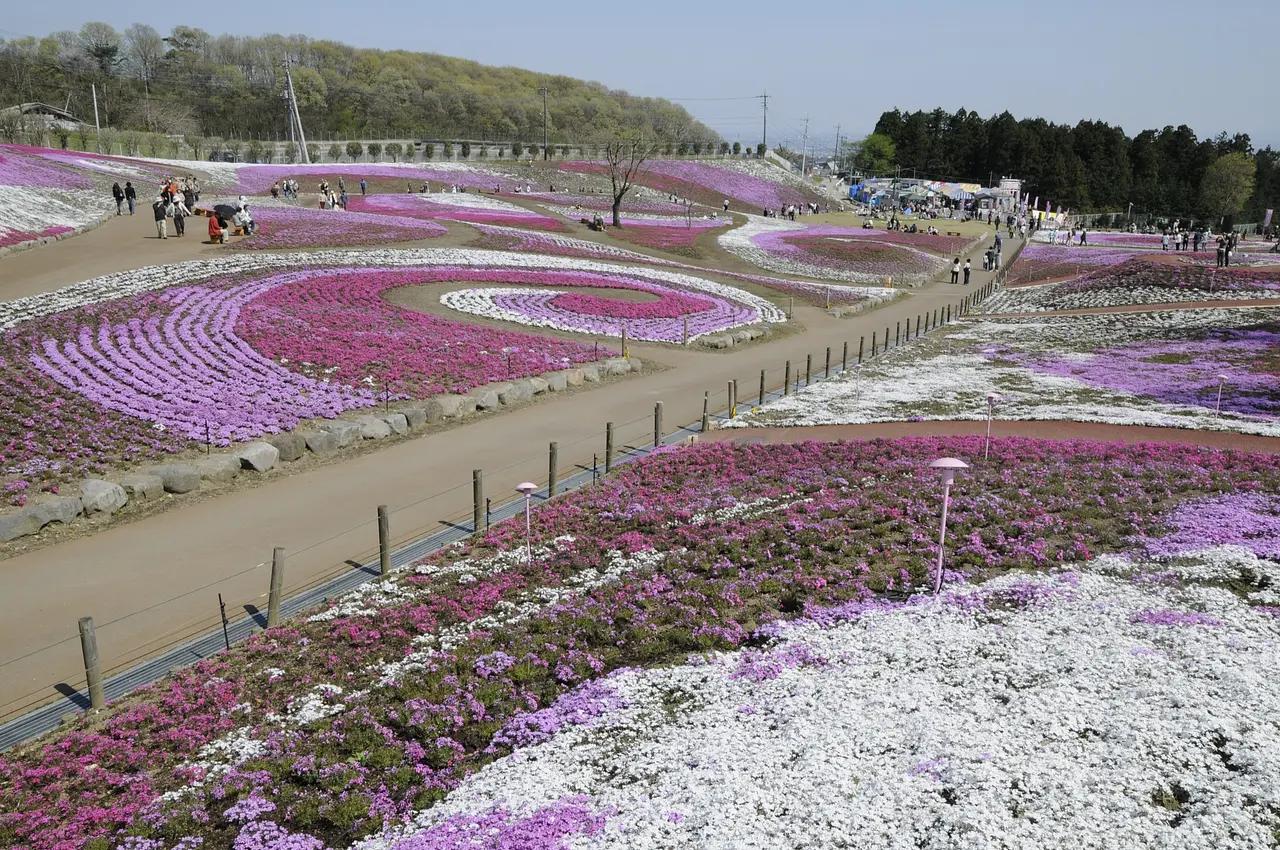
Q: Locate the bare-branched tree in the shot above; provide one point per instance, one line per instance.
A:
(626, 156)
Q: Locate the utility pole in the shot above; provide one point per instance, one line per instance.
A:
(765, 131)
(837, 153)
(295, 115)
(804, 146)
(542, 90)
(95, 115)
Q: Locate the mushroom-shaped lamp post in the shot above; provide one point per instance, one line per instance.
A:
(992, 398)
(1217, 408)
(947, 466)
(527, 489)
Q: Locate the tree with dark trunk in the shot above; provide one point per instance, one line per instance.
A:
(626, 156)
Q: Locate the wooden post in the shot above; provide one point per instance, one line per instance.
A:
(808, 369)
(861, 340)
(624, 342)
(761, 387)
(886, 337)
(552, 477)
(384, 541)
(277, 582)
(657, 424)
(477, 499)
(706, 411)
(786, 380)
(826, 372)
(791, 307)
(917, 325)
(686, 330)
(735, 396)
(608, 447)
(92, 669)
(873, 343)
(828, 298)
(948, 314)
(844, 358)
(897, 333)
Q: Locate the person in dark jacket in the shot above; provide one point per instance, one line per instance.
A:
(161, 209)
(130, 195)
(118, 194)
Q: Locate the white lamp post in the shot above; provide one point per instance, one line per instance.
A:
(527, 489)
(992, 398)
(1217, 408)
(947, 466)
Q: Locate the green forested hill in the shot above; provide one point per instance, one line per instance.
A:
(191, 82)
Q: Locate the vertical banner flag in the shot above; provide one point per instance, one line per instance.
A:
(1266, 222)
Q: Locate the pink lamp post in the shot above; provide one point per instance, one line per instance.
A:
(1217, 408)
(992, 398)
(527, 489)
(948, 467)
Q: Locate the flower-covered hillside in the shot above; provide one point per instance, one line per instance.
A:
(365, 719)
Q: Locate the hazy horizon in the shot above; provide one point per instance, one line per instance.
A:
(1141, 66)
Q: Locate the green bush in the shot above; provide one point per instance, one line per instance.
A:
(374, 149)
(466, 150)
(428, 151)
(394, 150)
(448, 150)
(335, 152)
(737, 148)
(354, 150)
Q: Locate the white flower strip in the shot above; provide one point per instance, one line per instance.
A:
(150, 278)
(1065, 724)
(1050, 296)
(475, 201)
(32, 211)
(928, 380)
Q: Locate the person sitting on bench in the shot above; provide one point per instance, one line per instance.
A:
(217, 236)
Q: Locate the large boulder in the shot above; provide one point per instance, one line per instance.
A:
(258, 456)
(450, 405)
(62, 509)
(557, 382)
(574, 377)
(433, 411)
(498, 387)
(519, 391)
(177, 477)
(220, 469)
(636, 365)
(345, 432)
(486, 400)
(469, 405)
(416, 416)
(321, 442)
(540, 385)
(21, 523)
(397, 422)
(102, 497)
(291, 446)
(617, 366)
(591, 374)
(372, 428)
(141, 487)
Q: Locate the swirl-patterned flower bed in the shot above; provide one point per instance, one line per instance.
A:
(300, 227)
(829, 253)
(1157, 368)
(600, 688)
(128, 367)
(471, 207)
(699, 306)
(1138, 280)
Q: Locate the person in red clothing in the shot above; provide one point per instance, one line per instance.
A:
(216, 233)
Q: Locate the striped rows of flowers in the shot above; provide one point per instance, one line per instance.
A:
(471, 207)
(299, 227)
(775, 569)
(829, 253)
(1039, 262)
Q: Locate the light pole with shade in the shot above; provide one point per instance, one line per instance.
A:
(992, 398)
(948, 467)
(527, 489)
(1217, 408)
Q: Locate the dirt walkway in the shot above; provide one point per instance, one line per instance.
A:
(1046, 430)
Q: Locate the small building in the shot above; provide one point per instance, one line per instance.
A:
(42, 115)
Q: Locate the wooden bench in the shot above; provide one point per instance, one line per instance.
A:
(953, 233)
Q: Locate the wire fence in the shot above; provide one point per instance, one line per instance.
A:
(203, 635)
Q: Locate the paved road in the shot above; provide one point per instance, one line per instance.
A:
(150, 582)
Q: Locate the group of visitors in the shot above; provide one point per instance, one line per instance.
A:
(790, 211)
(1182, 239)
(287, 187)
(174, 202)
(128, 193)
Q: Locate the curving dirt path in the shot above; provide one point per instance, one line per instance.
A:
(1044, 430)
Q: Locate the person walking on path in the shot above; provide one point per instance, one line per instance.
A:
(1222, 251)
(161, 209)
(130, 195)
(180, 213)
(1164, 241)
(1084, 237)
(966, 271)
(955, 271)
(118, 194)
(364, 187)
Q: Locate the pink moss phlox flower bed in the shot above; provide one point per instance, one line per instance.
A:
(1140, 272)
(22, 166)
(336, 323)
(14, 237)
(1181, 372)
(950, 246)
(485, 209)
(297, 227)
(256, 179)
(333, 727)
(1249, 519)
(664, 234)
(1048, 262)
(843, 251)
(703, 183)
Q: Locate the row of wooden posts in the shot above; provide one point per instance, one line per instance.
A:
(925, 322)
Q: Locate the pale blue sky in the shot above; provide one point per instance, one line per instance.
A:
(1137, 63)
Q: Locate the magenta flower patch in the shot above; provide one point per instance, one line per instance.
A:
(295, 227)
